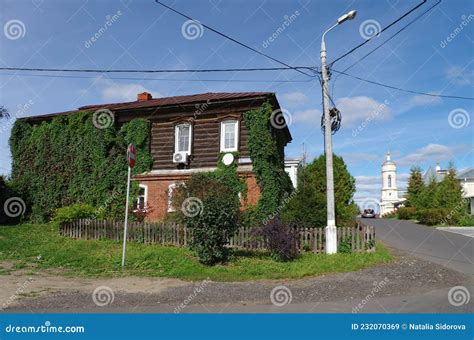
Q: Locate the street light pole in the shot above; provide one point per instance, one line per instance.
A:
(330, 230)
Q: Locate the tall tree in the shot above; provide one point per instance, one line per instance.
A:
(450, 196)
(415, 187)
(308, 203)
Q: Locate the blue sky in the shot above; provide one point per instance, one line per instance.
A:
(143, 35)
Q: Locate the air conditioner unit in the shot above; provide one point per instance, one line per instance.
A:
(181, 157)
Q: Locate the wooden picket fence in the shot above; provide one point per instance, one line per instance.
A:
(359, 238)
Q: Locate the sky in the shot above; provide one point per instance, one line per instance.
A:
(433, 55)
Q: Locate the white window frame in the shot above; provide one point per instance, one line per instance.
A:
(176, 141)
(145, 196)
(236, 135)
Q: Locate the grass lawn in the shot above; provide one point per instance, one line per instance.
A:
(38, 247)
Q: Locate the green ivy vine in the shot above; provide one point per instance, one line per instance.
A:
(68, 160)
(266, 147)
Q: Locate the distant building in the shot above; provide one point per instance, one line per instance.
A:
(390, 200)
(291, 167)
(465, 178)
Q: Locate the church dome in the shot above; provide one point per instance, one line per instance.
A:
(388, 161)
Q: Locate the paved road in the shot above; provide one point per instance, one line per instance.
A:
(449, 249)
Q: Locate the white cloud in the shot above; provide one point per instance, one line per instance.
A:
(430, 152)
(421, 100)
(356, 110)
(307, 116)
(119, 92)
(459, 76)
(295, 98)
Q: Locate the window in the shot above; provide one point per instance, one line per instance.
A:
(142, 197)
(183, 138)
(389, 181)
(229, 135)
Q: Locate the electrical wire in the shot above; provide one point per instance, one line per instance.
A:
(376, 35)
(386, 41)
(161, 79)
(156, 71)
(233, 39)
(401, 89)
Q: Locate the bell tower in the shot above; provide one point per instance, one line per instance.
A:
(389, 180)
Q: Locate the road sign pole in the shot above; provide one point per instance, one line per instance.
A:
(126, 218)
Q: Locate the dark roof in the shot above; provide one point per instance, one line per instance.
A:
(468, 173)
(164, 101)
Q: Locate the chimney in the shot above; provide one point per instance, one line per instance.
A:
(142, 97)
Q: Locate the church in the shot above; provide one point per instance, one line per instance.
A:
(390, 200)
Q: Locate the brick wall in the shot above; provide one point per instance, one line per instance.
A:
(157, 192)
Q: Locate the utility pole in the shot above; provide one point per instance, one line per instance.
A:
(330, 230)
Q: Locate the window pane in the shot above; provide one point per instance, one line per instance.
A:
(183, 138)
(229, 135)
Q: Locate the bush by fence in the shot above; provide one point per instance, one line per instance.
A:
(357, 239)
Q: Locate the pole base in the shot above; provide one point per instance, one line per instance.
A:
(331, 239)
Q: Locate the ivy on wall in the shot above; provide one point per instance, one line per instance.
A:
(68, 160)
(266, 147)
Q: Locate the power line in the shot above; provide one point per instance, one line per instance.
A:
(232, 39)
(386, 41)
(393, 35)
(401, 89)
(161, 79)
(156, 71)
(376, 35)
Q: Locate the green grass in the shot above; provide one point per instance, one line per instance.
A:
(39, 247)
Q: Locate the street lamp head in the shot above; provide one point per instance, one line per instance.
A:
(348, 16)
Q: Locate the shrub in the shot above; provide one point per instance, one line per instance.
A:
(392, 214)
(73, 212)
(210, 207)
(407, 213)
(281, 239)
(467, 221)
(434, 216)
(345, 246)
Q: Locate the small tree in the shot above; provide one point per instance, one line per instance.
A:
(415, 187)
(210, 207)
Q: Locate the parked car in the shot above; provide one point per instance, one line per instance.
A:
(368, 213)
